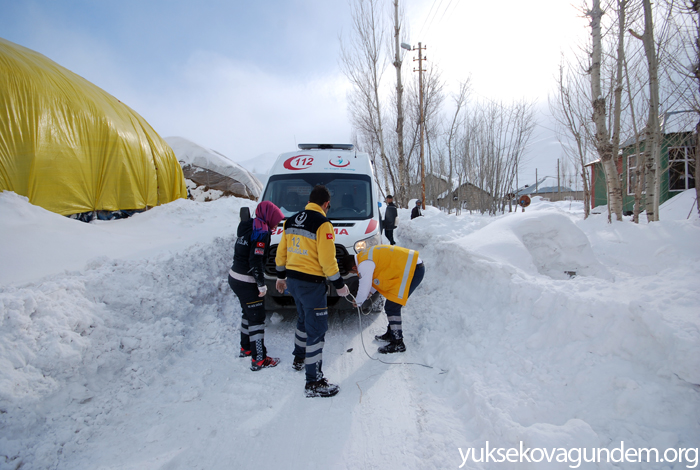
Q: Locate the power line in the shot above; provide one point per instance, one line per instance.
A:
(447, 8)
(428, 17)
(437, 10)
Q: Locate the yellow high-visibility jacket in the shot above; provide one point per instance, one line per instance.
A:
(307, 248)
(393, 271)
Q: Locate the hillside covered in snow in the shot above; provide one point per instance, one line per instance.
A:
(119, 347)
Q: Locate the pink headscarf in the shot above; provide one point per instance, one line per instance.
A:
(267, 217)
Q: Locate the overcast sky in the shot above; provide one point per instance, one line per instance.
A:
(252, 77)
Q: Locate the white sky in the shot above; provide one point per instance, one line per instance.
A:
(247, 78)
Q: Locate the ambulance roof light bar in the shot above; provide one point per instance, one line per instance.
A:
(326, 146)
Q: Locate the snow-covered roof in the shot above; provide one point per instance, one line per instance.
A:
(546, 184)
(673, 122)
(188, 152)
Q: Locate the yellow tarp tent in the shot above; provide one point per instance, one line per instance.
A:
(71, 147)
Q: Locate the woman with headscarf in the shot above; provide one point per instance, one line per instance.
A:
(247, 280)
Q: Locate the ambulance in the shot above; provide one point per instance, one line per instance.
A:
(354, 213)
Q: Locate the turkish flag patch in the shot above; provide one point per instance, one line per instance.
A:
(329, 236)
(261, 244)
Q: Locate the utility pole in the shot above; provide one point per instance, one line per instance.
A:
(422, 118)
(558, 181)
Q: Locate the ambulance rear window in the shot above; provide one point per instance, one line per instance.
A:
(350, 194)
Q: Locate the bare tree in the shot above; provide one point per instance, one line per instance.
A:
(433, 98)
(607, 148)
(652, 146)
(363, 63)
(569, 110)
(401, 160)
(684, 66)
(464, 163)
(494, 142)
(453, 137)
(519, 126)
(496, 135)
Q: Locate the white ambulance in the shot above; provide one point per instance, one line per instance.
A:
(349, 176)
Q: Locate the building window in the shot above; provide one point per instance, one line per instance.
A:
(681, 168)
(632, 162)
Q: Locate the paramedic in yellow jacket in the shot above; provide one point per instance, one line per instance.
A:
(394, 272)
(305, 259)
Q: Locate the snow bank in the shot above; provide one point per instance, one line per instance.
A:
(35, 242)
(547, 242)
(76, 344)
(680, 207)
(528, 351)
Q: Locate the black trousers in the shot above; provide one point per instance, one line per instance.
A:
(390, 235)
(253, 317)
(393, 310)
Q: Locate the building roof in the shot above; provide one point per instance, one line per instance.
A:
(672, 122)
(545, 185)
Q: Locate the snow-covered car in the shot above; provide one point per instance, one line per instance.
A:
(349, 176)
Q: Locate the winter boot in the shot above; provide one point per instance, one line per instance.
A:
(320, 388)
(267, 362)
(396, 345)
(298, 363)
(244, 353)
(386, 336)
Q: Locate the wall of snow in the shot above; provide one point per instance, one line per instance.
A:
(69, 339)
(537, 357)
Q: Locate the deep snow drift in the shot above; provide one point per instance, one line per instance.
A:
(119, 341)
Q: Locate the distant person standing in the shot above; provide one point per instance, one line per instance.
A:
(391, 219)
(305, 259)
(247, 280)
(416, 212)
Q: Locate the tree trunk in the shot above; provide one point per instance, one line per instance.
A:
(403, 170)
(586, 194)
(602, 136)
(452, 135)
(617, 97)
(653, 141)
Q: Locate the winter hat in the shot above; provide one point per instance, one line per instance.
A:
(267, 217)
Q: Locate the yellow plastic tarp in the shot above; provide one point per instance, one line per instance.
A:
(70, 147)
